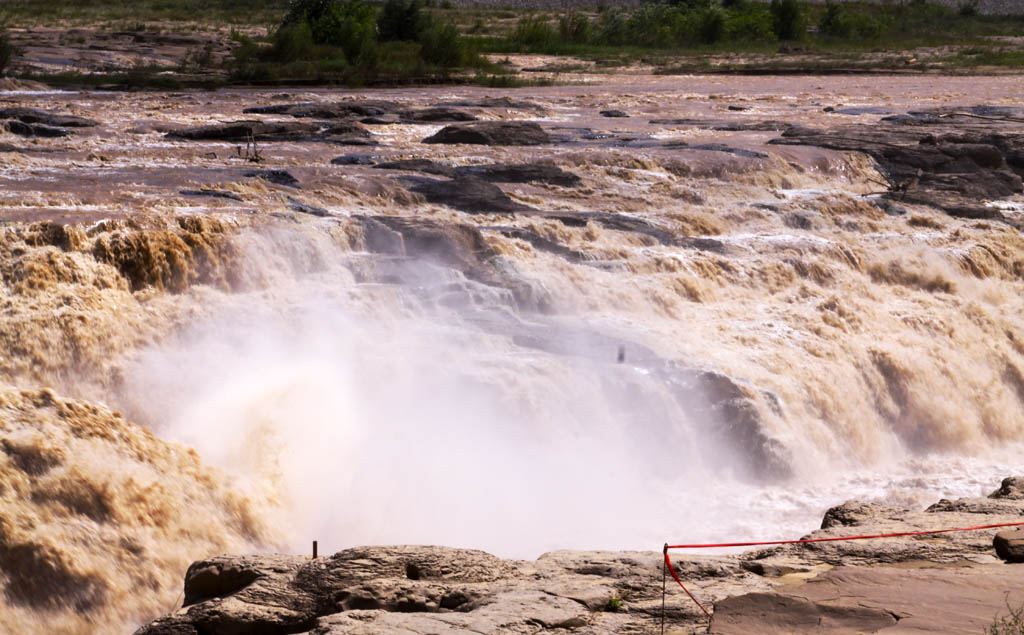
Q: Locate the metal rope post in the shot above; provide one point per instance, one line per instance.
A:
(664, 576)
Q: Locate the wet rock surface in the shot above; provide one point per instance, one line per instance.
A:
(467, 194)
(953, 159)
(952, 585)
(492, 133)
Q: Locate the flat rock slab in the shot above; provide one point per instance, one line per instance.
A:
(467, 194)
(45, 117)
(241, 131)
(493, 133)
(879, 599)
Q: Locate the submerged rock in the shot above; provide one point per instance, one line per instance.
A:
(467, 194)
(418, 165)
(953, 164)
(45, 117)
(493, 133)
(521, 173)
(241, 131)
(277, 177)
(23, 129)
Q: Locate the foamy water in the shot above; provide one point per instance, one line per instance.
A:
(296, 391)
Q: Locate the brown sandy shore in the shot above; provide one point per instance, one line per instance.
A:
(949, 583)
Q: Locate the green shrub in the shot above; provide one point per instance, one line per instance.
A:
(442, 45)
(711, 26)
(574, 27)
(293, 41)
(401, 20)
(350, 26)
(789, 19)
(614, 27)
(834, 22)
(753, 23)
(968, 9)
(308, 10)
(533, 31)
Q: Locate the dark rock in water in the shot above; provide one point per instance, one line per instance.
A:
(497, 102)
(738, 108)
(418, 165)
(770, 125)
(46, 118)
(493, 133)
(339, 110)
(522, 173)
(1012, 488)
(346, 128)
(1009, 545)
(613, 113)
(954, 167)
(776, 613)
(351, 140)
(718, 147)
(277, 177)
(618, 222)
(275, 109)
(23, 129)
(459, 246)
(540, 243)
(382, 120)
(863, 110)
(438, 114)
(735, 422)
(305, 208)
(381, 239)
(798, 221)
(214, 193)
(355, 159)
(467, 194)
(242, 131)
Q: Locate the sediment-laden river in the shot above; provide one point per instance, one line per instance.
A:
(637, 329)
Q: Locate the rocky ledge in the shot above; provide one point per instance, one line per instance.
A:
(944, 582)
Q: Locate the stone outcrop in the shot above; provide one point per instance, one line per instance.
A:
(342, 133)
(439, 590)
(1009, 545)
(951, 159)
(45, 118)
(467, 194)
(492, 133)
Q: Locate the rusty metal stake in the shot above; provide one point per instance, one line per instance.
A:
(314, 550)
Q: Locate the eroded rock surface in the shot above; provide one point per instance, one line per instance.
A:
(952, 159)
(951, 585)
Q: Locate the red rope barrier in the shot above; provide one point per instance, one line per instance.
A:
(668, 561)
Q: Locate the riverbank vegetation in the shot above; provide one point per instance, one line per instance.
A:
(401, 42)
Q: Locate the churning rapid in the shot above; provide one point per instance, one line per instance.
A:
(666, 328)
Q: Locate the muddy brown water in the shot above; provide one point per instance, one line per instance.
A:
(882, 353)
